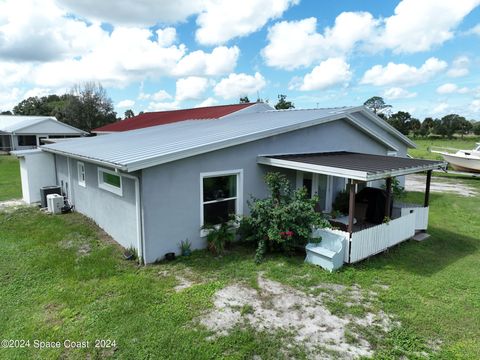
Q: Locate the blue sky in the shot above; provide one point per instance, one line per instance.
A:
(421, 56)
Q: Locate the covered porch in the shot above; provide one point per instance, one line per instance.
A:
(370, 226)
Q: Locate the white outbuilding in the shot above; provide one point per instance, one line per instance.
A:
(28, 132)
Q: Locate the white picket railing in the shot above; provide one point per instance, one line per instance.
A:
(421, 215)
(376, 239)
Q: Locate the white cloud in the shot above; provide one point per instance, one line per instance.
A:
(9, 98)
(331, 72)
(140, 13)
(207, 102)
(44, 46)
(191, 88)
(35, 30)
(161, 95)
(163, 106)
(474, 30)
(475, 106)
(238, 85)
(222, 60)
(403, 74)
(421, 25)
(415, 26)
(294, 44)
(127, 103)
(459, 67)
(440, 108)
(221, 21)
(395, 93)
(38, 91)
(450, 88)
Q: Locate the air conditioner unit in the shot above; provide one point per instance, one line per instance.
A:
(54, 203)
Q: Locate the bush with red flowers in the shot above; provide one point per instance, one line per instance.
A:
(284, 220)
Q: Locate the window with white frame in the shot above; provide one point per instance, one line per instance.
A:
(81, 173)
(221, 196)
(109, 180)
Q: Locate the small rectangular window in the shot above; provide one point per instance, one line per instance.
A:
(110, 181)
(81, 173)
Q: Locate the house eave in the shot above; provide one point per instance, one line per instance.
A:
(343, 172)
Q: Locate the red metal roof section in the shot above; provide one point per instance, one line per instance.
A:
(166, 117)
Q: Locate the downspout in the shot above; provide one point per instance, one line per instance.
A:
(138, 206)
(70, 185)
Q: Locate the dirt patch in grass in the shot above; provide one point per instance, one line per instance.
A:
(440, 185)
(11, 205)
(52, 314)
(275, 307)
(183, 283)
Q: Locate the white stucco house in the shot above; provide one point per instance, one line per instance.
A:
(27, 132)
(152, 187)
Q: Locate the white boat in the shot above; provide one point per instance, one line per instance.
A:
(462, 160)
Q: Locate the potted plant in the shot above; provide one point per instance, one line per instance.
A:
(186, 247)
(315, 240)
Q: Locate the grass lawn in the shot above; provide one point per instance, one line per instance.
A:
(10, 186)
(423, 145)
(61, 279)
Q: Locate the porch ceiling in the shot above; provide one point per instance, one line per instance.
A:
(357, 166)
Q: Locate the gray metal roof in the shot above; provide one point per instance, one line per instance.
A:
(365, 167)
(18, 124)
(137, 149)
(12, 123)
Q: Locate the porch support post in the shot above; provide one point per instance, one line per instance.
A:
(351, 206)
(427, 188)
(388, 188)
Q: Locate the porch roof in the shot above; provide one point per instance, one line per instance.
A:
(356, 166)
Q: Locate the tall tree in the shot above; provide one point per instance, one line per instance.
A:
(283, 103)
(377, 105)
(450, 124)
(476, 128)
(129, 114)
(464, 126)
(244, 100)
(89, 107)
(401, 121)
(8, 112)
(50, 105)
(427, 127)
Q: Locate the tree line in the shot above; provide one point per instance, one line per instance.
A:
(86, 107)
(403, 121)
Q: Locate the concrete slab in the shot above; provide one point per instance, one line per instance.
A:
(420, 236)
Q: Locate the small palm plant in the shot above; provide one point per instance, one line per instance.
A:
(186, 247)
(219, 236)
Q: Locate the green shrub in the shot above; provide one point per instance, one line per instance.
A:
(284, 220)
(219, 236)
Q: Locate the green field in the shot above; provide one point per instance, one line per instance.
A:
(10, 187)
(423, 146)
(63, 279)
